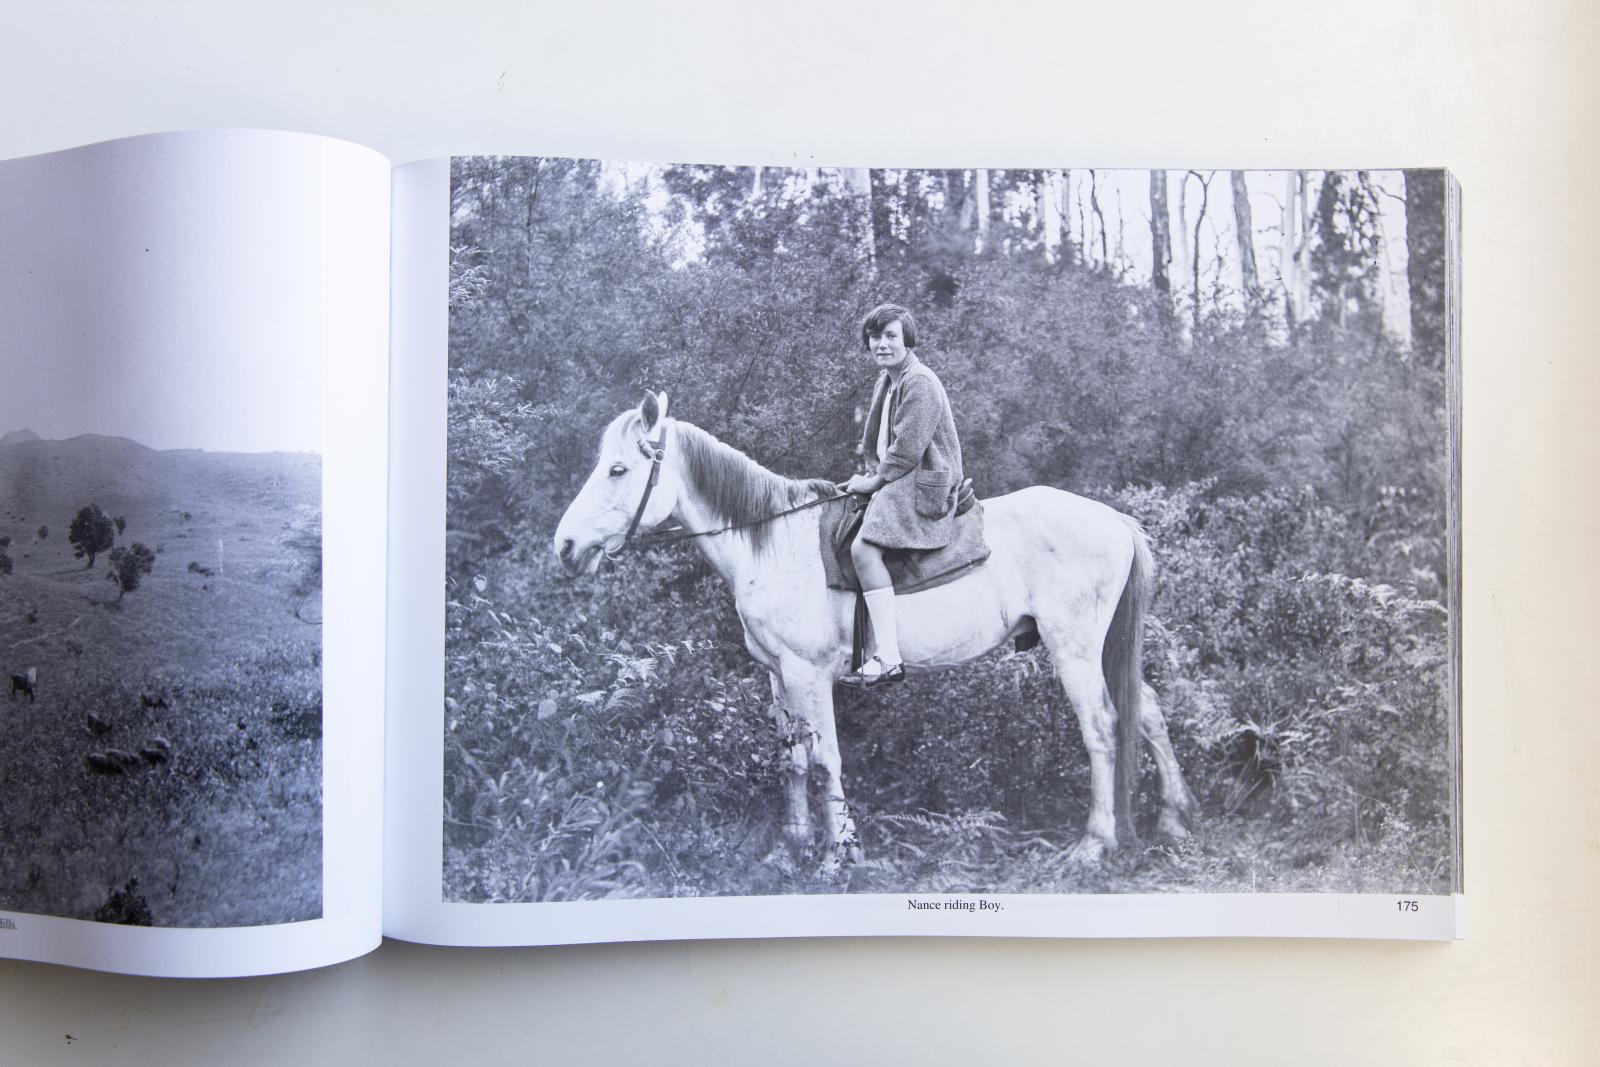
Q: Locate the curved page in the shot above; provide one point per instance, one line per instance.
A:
(193, 339)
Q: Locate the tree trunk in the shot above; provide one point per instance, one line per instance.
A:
(1286, 254)
(1065, 189)
(980, 182)
(966, 210)
(1160, 234)
(859, 181)
(1302, 253)
(1425, 255)
(882, 198)
(1183, 257)
(955, 197)
(1245, 231)
(1094, 205)
(1048, 190)
(1194, 259)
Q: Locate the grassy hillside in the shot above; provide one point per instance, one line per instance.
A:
(217, 652)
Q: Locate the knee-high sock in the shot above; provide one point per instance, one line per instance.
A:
(885, 638)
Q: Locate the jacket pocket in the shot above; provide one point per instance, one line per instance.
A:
(933, 494)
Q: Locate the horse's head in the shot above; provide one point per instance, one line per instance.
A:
(600, 518)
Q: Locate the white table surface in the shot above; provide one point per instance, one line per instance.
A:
(1504, 93)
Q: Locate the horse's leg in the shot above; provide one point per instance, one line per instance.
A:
(812, 688)
(795, 727)
(1177, 803)
(1078, 670)
(845, 845)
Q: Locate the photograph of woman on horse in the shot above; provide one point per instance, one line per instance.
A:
(911, 434)
(1203, 643)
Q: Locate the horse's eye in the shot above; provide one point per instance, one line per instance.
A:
(618, 470)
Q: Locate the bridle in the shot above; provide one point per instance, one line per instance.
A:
(656, 452)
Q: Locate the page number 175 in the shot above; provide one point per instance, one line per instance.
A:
(1406, 905)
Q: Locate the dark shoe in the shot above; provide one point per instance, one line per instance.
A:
(867, 678)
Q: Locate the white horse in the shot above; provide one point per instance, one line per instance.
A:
(1075, 570)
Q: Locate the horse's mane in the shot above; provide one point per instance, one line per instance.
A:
(736, 488)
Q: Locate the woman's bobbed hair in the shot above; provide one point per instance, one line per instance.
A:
(879, 318)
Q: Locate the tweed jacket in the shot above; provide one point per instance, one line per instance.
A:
(921, 466)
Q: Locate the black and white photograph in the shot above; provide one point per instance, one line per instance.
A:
(948, 531)
(160, 548)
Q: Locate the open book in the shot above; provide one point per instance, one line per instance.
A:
(443, 552)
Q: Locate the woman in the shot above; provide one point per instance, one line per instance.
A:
(911, 445)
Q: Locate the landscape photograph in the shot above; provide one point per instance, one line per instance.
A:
(160, 627)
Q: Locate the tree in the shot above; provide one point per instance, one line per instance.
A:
(1160, 242)
(859, 181)
(980, 193)
(1346, 249)
(128, 565)
(90, 533)
(1294, 254)
(1244, 230)
(1194, 259)
(1051, 213)
(1160, 233)
(1094, 205)
(1425, 253)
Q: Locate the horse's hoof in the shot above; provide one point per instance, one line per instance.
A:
(781, 858)
(842, 858)
(1171, 826)
(1088, 852)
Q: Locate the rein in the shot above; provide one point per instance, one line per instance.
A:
(656, 452)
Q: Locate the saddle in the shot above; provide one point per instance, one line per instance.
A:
(910, 570)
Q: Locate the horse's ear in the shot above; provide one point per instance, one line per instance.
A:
(653, 410)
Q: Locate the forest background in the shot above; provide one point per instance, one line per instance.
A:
(1251, 364)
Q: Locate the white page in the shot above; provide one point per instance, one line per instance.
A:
(417, 905)
(213, 305)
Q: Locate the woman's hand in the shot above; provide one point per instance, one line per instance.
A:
(866, 484)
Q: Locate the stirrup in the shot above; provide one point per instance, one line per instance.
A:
(884, 675)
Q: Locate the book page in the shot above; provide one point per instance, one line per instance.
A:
(1183, 665)
(192, 471)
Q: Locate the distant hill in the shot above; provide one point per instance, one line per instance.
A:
(17, 437)
(220, 523)
(46, 482)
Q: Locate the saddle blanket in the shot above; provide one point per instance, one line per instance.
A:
(910, 570)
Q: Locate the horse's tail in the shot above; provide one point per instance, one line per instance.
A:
(1122, 661)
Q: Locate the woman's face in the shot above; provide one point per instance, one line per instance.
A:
(888, 347)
